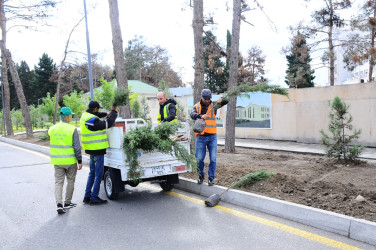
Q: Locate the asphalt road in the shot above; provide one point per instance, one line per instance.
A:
(142, 218)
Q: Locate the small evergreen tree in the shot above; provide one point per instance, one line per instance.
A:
(299, 73)
(338, 143)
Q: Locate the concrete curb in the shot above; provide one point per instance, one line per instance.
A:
(351, 227)
(38, 148)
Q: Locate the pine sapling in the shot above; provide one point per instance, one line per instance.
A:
(338, 142)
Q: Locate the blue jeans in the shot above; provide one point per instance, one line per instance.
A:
(95, 176)
(211, 143)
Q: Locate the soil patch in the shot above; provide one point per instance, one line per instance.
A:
(306, 179)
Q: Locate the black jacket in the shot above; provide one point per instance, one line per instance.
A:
(171, 110)
(100, 125)
(195, 115)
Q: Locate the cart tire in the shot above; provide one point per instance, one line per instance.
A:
(109, 186)
(166, 186)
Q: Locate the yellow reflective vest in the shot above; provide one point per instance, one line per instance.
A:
(165, 114)
(92, 140)
(61, 144)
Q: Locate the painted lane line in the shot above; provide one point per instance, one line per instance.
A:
(270, 223)
(28, 150)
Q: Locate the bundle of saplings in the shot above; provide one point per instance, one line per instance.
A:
(148, 139)
(121, 97)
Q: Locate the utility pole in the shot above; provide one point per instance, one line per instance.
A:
(89, 56)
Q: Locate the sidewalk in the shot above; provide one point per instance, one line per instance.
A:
(289, 146)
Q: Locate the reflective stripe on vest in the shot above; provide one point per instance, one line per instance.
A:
(165, 110)
(211, 121)
(92, 140)
(61, 144)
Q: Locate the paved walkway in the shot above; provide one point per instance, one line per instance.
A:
(368, 153)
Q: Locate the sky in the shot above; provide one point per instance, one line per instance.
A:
(167, 23)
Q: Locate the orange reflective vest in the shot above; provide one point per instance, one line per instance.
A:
(211, 122)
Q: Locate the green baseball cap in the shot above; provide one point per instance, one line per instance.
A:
(65, 111)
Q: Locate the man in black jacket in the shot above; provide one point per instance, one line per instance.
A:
(94, 142)
(167, 109)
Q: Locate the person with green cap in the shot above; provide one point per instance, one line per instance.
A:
(65, 152)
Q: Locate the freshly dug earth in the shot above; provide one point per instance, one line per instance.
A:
(306, 179)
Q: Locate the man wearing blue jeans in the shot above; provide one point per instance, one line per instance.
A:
(94, 142)
(206, 110)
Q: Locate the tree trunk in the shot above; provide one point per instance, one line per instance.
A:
(331, 47)
(198, 29)
(19, 90)
(372, 57)
(117, 43)
(4, 74)
(233, 76)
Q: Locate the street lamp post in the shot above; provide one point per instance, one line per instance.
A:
(89, 56)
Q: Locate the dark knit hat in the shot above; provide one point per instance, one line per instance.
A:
(94, 104)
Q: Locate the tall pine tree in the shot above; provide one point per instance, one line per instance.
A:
(42, 81)
(26, 75)
(299, 73)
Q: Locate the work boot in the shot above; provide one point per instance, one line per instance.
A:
(211, 181)
(200, 179)
(86, 200)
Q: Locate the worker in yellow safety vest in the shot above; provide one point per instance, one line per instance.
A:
(94, 142)
(167, 109)
(206, 109)
(65, 153)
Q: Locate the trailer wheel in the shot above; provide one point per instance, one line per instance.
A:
(166, 186)
(109, 186)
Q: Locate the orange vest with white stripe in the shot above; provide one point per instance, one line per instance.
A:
(211, 121)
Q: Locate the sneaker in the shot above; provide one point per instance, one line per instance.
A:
(211, 182)
(60, 209)
(69, 205)
(97, 201)
(200, 179)
(86, 200)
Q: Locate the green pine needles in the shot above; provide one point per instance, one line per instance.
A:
(121, 97)
(244, 88)
(147, 139)
(251, 178)
(340, 127)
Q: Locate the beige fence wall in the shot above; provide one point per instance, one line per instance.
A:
(301, 116)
